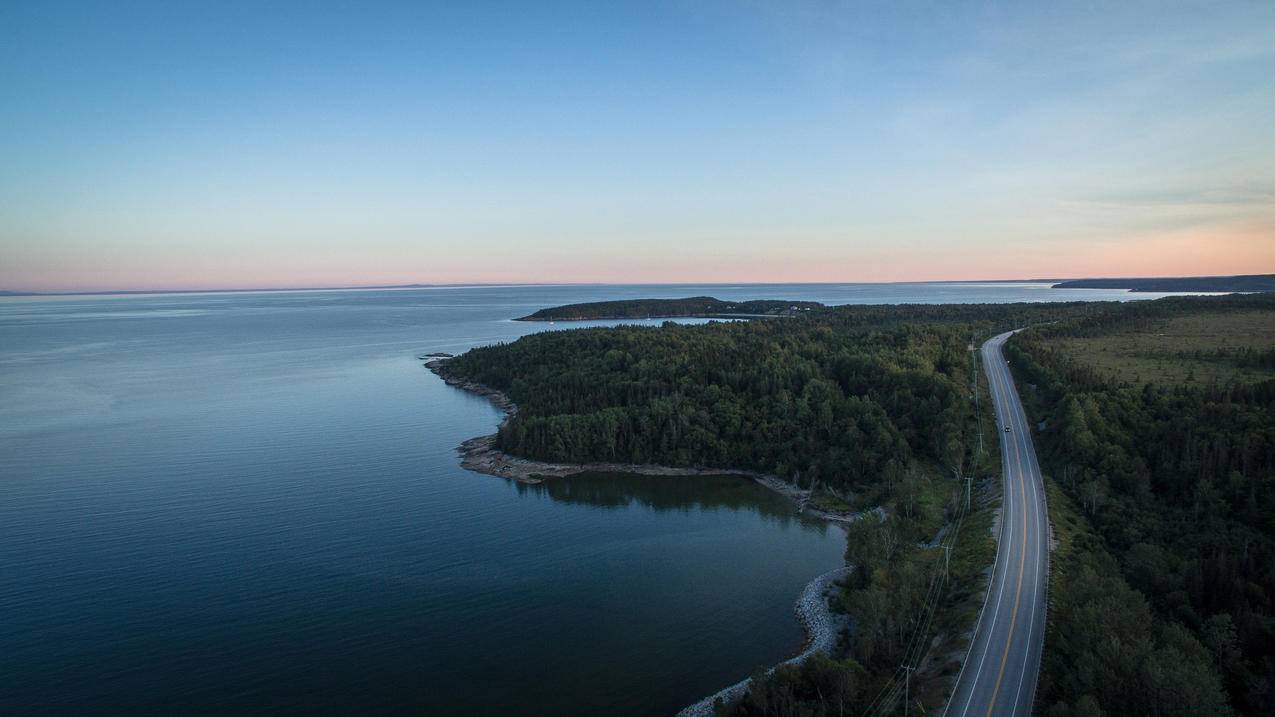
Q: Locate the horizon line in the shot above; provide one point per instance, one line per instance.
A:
(460, 285)
(479, 285)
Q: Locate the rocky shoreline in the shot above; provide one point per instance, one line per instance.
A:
(480, 455)
(823, 626)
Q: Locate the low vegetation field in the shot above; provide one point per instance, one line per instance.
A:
(1198, 348)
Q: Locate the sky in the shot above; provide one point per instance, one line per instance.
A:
(181, 145)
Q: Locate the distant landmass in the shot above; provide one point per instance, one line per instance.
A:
(695, 306)
(1246, 282)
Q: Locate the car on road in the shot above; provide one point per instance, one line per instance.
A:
(1007, 429)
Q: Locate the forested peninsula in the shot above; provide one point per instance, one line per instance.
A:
(1157, 427)
(695, 306)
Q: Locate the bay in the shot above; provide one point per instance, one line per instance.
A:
(251, 501)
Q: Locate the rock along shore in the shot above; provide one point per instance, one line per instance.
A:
(481, 455)
(822, 628)
(821, 624)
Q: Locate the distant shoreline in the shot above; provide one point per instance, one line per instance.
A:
(652, 317)
(701, 307)
(1225, 284)
(1057, 283)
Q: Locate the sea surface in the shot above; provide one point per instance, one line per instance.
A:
(251, 502)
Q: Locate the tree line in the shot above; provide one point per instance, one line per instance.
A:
(665, 308)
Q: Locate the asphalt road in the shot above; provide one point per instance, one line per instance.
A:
(1000, 670)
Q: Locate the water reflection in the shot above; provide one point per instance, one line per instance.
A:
(684, 494)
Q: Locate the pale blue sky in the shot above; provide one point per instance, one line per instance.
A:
(181, 145)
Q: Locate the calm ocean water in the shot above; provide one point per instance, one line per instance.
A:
(251, 502)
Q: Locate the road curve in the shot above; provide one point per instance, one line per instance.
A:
(1003, 662)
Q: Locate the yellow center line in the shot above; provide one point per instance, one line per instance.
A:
(990, 359)
(1022, 563)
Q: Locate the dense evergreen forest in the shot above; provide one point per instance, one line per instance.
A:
(845, 397)
(703, 306)
(1158, 440)
(1162, 599)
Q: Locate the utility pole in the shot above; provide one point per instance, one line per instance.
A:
(978, 411)
(907, 688)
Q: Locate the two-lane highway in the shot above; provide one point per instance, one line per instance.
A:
(1000, 670)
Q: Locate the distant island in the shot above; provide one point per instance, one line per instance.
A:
(1247, 282)
(695, 306)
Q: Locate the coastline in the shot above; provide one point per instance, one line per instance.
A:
(652, 317)
(822, 629)
(821, 625)
(479, 454)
